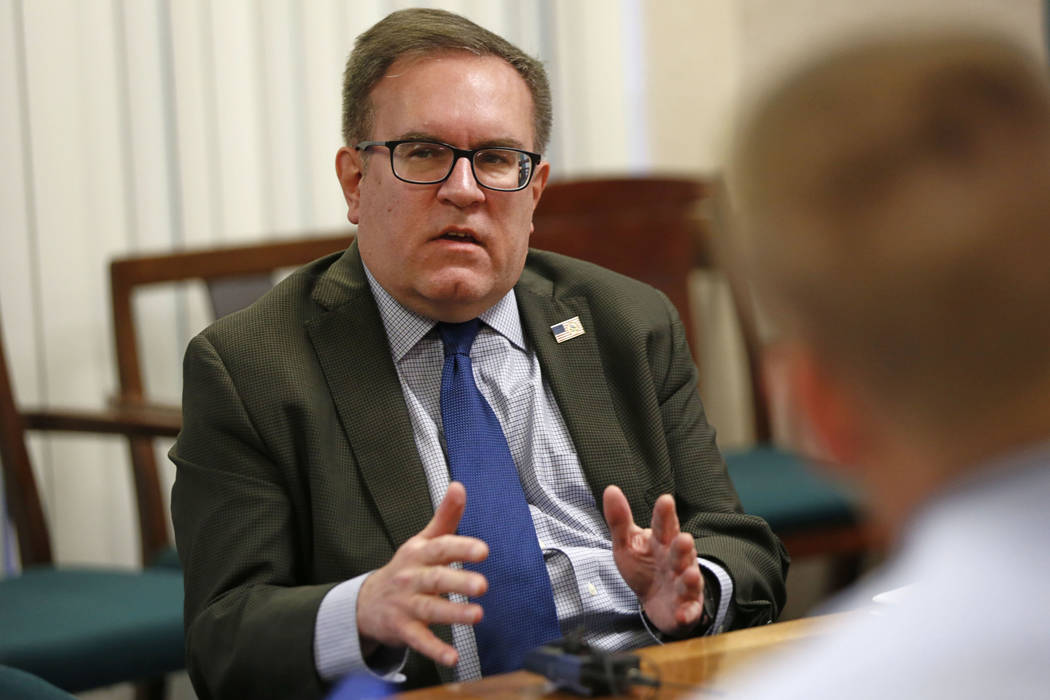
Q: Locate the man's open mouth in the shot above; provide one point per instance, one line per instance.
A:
(459, 236)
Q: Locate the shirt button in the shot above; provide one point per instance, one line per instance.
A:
(592, 589)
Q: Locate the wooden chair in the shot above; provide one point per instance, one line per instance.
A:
(653, 229)
(815, 515)
(235, 276)
(80, 628)
(646, 228)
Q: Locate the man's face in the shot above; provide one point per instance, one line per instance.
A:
(410, 236)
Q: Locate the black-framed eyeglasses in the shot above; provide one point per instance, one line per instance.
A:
(500, 168)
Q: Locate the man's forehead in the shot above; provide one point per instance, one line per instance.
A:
(423, 95)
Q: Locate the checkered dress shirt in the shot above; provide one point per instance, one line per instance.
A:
(589, 592)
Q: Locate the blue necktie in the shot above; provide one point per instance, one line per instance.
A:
(519, 605)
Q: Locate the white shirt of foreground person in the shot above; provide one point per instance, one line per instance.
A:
(974, 624)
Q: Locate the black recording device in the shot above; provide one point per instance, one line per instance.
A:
(573, 666)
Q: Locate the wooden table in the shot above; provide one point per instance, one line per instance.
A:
(687, 667)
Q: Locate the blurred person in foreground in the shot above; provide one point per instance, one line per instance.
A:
(891, 207)
(439, 393)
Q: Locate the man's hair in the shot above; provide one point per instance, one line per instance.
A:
(891, 204)
(417, 32)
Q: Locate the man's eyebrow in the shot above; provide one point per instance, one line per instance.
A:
(501, 143)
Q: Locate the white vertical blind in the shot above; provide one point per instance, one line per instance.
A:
(150, 125)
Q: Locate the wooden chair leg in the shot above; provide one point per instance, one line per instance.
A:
(152, 689)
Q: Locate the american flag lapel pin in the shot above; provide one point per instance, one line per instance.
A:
(567, 329)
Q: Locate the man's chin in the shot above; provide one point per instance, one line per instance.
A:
(456, 300)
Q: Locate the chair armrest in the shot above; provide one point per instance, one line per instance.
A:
(126, 419)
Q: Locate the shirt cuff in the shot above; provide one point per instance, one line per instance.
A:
(725, 595)
(337, 646)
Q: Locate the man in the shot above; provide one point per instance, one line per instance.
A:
(337, 456)
(892, 208)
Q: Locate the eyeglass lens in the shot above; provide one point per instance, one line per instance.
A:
(498, 168)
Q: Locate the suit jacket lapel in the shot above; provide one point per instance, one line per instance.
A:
(578, 380)
(353, 350)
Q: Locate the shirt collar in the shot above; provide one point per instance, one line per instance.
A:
(404, 328)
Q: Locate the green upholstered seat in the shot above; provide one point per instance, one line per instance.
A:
(166, 558)
(83, 628)
(86, 628)
(787, 493)
(16, 683)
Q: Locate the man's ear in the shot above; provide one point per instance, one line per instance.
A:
(539, 182)
(349, 170)
(830, 413)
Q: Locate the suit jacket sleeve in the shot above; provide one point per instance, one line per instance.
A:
(249, 625)
(284, 485)
(708, 506)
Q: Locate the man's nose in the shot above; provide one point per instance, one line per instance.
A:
(461, 188)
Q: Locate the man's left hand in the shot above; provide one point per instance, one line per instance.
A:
(658, 562)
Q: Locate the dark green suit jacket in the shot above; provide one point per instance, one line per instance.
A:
(297, 467)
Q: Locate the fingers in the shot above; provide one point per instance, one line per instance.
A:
(618, 515)
(395, 606)
(690, 593)
(438, 580)
(437, 543)
(412, 615)
(419, 637)
(432, 609)
(665, 520)
(689, 583)
(444, 550)
(677, 605)
(682, 553)
(689, 614)
(397, 602)
(449, 511)
(664, 525)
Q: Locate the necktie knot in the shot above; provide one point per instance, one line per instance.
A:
(459, 337)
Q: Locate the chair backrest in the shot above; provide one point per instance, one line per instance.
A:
(658, 230)
(235, 276)
(20, 490)
(21, 495)
(743, 306)
(716, 224)
(648, 228)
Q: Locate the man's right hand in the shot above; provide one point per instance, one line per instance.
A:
(397, 603)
